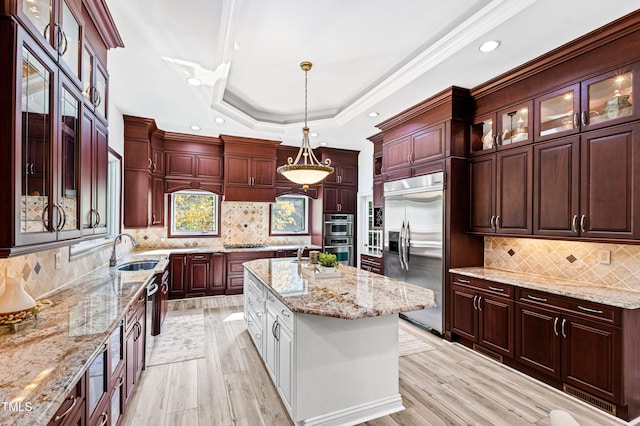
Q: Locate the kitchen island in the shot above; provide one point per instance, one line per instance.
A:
(330, 345)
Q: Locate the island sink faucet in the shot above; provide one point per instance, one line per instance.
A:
(112, 259)
(301, 250)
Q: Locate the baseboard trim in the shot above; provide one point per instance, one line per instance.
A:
(359, 413)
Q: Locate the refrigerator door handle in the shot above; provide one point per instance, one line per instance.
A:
(401, 247)
(407, 246)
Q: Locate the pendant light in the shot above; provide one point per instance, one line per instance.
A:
(305, 169)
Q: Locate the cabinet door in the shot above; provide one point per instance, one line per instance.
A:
(496, 324)
(263, 172)
(483, 134)
(137, 198)
(198, 273)
(557, 113)
(395, 158)
(347, 199)
(610, 183)
(538, 343)
(428, 145)
(271, 345)
(609, 99)
(97, 382)
(556, 187)
(67, 158)
(465, 319)
(482, 175)
(330, 199)
(69, 39)
(100, 179)
(217, 273)
(157, 201)
(599, 373)
(348, 174)
(513, 191)
(515, 125)
(35, 122)
(209, 167)
(180, 164)
(176, 283)
(378, 191)
(237, 170)
(285, 364)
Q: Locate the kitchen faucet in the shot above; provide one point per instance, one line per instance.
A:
(112, 259)
(301, 250)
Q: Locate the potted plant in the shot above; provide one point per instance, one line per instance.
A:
(328, 261)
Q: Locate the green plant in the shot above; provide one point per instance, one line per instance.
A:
(328, 259)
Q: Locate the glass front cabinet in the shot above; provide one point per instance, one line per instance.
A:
(48, 138)
(507, 128)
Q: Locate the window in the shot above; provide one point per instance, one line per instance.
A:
(290, 215)
(194, 213)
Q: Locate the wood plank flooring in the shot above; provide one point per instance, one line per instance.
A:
(451, 385)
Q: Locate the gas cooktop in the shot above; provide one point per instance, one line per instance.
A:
(237, 246)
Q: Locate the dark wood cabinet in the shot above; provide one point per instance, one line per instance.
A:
(249, 169)
(161, 301)
(135, 345)
(405, 156)
(483, 314)
(504, 129)
(97, 377)
(94, 170)
(584, 186)
(554, 333)
(339, 199)
(501, 192)
(235, 270)
(71, 411)
(197, 275)
(372, 263)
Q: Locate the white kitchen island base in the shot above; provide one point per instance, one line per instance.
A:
(330, 346)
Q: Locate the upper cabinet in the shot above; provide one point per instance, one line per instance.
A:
(57, 25)
(94, 82)
(504, 129)
(250, 169)
(345, 164)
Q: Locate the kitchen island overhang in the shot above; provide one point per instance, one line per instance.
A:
(329, 345)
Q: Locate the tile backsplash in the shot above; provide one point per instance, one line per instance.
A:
(241, 223)
(576, 261)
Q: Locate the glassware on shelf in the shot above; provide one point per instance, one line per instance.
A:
(557, 113)
(514, 126)
(610, 98)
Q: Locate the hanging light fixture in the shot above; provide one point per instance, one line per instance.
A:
(306, 169)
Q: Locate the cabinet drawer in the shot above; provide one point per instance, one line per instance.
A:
(255, 307)
(285, 315)
(135, 310)
(578, 307)
(497, 289)
(235, 266)
(255, 287)
(72, 403)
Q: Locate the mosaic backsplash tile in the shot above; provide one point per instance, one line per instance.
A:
(576, 261)
(241, 223)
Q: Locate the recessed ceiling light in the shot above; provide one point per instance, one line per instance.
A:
(324, 143)
(373, 114)
(219, 120)
(195, 127)
(194, 81)
(489, 46)
(314, 134)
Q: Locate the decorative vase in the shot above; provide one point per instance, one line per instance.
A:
(14, 299)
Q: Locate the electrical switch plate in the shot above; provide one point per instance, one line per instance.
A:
(604, 257)
(58, 260)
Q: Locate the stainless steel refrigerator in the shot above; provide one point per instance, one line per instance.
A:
(413, 249)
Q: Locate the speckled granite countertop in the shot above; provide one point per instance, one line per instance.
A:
(606, 295)
(42, 361)
(355, 294)
(193, 250)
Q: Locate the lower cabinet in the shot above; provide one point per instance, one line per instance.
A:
(585, 348)
(71, 411)
(372, 263)
(235, 270)
(135, 346)
(483, 314)
(98, 388)
(278, 349)
(197, 274)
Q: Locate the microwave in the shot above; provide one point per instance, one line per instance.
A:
(338, 225)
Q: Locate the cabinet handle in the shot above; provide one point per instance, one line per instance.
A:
(26, 171)
(583, 118)
(497, 222)
(479, 301)
(574, 223)
(98, 219)
(492, 223)
(250, 323)
(537, 299)
(408, 157)
(564, 322)
(259, 314)
(62, 40)
(576, 118)
(184, 260)
(106, 419)
(33, 168)
(62, 219)
(582, 218)
(593, 311)
(498, 140)
(44, 219)
(464, 281)
(475, 298)
(120, 381)
(493, 141)
(555, 326)
(501, 290)
(198, 256)
(285, 313)
(73, 404)
(257, 336)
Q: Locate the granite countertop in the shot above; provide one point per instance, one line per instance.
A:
(45, 358)
(606, 295)
(355, 294)
(194, 250)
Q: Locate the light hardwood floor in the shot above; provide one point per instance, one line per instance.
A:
(450, 385)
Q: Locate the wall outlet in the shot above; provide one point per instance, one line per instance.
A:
(58, 260)
(604, 257)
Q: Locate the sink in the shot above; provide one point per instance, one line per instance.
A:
(302, 260)
(142, 265)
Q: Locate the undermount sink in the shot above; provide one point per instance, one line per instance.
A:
(303, 260)
(138, 266)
